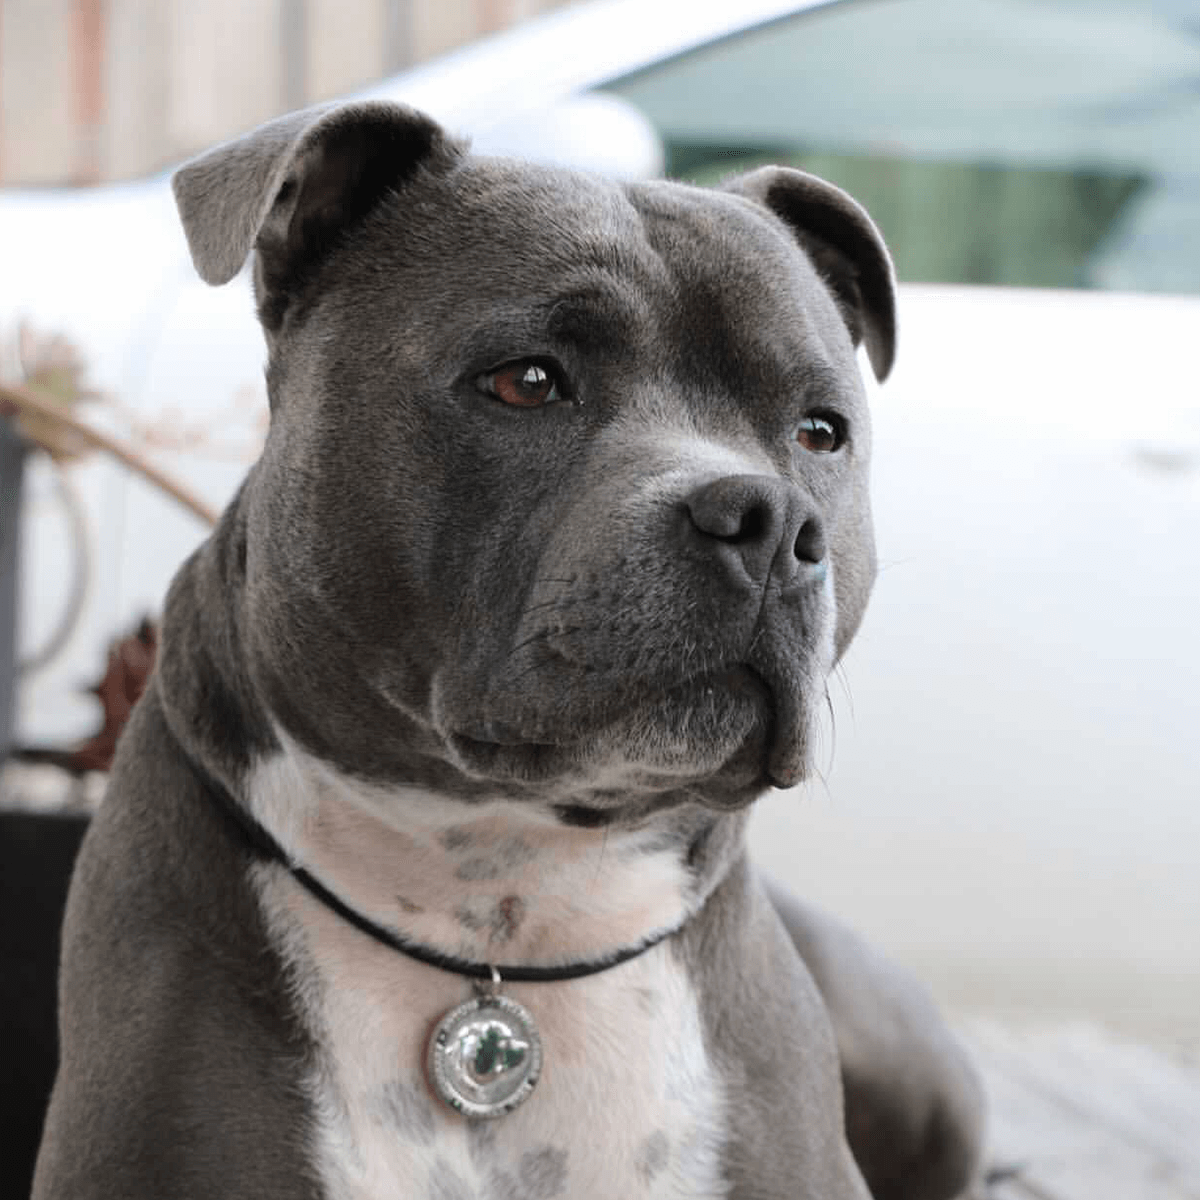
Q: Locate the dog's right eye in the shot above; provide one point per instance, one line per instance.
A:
(822, 433)
(526, 383)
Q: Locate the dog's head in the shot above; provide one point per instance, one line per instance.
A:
(565, 491)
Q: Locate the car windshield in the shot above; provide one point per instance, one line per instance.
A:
(1025, 142)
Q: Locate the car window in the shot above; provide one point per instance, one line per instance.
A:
(1025, 142)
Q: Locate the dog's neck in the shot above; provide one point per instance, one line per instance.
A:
(490, 882)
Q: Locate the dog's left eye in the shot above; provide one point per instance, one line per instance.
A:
(523, 384)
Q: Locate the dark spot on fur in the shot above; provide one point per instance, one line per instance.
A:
(406, 905)
(507, 854)
(475, 869)
(473, 917)
(481, 1142)
(500, 918)
(405, 1105)
(652, 1156)
(510, 913)
(515, 852)
(446, 1184)
(502, 1186)
(543, 1173)
(456, 838)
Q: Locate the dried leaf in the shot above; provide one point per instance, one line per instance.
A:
(130, 662)
(52, 366)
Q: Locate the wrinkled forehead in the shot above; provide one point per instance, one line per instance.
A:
(746, 294)
(498, 251)
(524, 227)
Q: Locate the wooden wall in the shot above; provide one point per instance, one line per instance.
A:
(109, 89)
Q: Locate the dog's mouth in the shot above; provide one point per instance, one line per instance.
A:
(722, 735)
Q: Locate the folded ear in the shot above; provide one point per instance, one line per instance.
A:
(845, 247)
(289, 188)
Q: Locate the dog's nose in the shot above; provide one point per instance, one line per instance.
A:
(758, 528)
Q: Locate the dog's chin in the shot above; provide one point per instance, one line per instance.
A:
(712, 738)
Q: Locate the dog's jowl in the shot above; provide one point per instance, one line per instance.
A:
(421, 871)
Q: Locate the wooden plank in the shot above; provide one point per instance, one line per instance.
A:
(35, 92)
(1088, 1117)
(346, 40)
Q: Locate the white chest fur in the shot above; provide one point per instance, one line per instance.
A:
(628, 1103)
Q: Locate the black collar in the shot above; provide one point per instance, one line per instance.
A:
(258, 839)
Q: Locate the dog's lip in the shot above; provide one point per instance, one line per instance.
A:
(489, 741)
(776, 769)
(786, 754)
(733, 676)
(497, 733)
(521, 762)
(779, 748)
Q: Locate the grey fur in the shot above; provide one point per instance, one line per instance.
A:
(502, 1185)
(543, 1173)
(475, 869)
(425, 587)
(445, 1183)
(914, 1105)
(481, 1143)
(500, 918)
(457, 839)
(498, 858)
(652, 1157)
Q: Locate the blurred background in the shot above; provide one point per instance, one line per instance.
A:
(1010, 800)
(92, 90)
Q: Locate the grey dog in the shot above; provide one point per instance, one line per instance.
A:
(421, 871)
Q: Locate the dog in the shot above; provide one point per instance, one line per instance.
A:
(422, 871)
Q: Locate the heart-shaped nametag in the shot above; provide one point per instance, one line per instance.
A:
(490, 1052)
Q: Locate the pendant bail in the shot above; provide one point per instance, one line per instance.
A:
(489, 987)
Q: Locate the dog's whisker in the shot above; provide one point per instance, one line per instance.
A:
(824, 783)
(832, 724)
(844, 680)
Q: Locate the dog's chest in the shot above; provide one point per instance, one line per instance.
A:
(628, 1103)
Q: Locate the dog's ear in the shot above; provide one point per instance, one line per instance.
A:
(289, 188)
(845, 247)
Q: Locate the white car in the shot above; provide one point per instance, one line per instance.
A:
(1014, 802)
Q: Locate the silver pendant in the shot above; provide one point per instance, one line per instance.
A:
(485, 1055)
